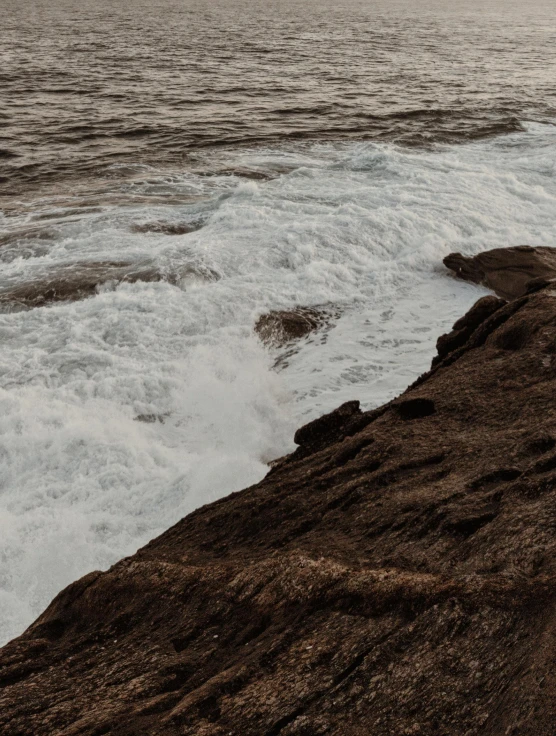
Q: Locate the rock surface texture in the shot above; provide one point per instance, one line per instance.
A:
(510, 272)
(394, 575)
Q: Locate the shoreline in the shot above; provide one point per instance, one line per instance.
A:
(393, 575)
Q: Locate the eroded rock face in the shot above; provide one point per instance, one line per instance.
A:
(509, 272)
(395, 575)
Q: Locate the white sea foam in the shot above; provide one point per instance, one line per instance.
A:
(361, 226)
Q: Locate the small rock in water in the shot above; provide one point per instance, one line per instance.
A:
(166, 228)
(151, 418)
(282, 326)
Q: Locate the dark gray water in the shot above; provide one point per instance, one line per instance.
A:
(87, 85)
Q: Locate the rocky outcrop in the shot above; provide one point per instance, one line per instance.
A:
(509, 272)
(395, 575)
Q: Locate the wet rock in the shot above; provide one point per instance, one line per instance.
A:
(81, 280)
(394, 575)
(282, 326)
(76, 281)
(151, 418)
(271, 171)
(252, 174)
(167, 228)
(509, 272)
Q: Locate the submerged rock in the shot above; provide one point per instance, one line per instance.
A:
(166, 228)
(507, 271)
(394, 575)
(151, 418)
(253, 174)
(33, 232)
(73, 282)
(81, 280)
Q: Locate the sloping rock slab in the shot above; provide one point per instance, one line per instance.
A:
(507, 271)
(395, 575)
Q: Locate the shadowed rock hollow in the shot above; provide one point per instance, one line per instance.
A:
(394, 575)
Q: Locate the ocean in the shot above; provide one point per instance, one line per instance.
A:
(236, 157)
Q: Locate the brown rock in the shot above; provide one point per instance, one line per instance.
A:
(395, 575)
(507, 271)
(344, 421)
(282, 326)
(466, 326)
